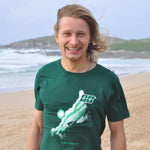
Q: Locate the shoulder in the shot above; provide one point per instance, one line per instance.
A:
(48, 67)
(47, 71)
(106, 73)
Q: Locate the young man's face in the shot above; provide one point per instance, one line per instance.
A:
(73, 38)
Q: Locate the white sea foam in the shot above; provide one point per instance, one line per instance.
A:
(18, 67)
(126, 66)
(12, 61)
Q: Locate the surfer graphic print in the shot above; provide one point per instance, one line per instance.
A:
(76, 114)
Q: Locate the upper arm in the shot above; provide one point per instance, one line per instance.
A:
(116, 127)
(38, 119)
(36, 132)
(117, 138)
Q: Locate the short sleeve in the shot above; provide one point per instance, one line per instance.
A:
(38, 102)
(117, 106)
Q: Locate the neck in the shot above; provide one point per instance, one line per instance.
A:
(77, 66)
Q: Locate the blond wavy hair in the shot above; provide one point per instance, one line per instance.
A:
(98, 41)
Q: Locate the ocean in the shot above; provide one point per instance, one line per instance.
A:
(18, 67)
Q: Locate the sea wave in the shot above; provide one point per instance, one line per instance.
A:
(18, 67)
(12, 61)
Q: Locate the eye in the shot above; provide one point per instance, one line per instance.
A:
(67, 34)
(80, 34)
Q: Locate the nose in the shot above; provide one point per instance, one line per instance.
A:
(74, 40)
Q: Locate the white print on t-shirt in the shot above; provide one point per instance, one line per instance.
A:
(76, 114)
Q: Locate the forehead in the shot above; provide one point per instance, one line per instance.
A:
(73, 24)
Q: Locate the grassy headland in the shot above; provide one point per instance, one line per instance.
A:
(133, 45)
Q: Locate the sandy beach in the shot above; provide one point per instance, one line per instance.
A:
(17, 110)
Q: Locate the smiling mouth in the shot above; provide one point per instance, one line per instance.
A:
(73, 49)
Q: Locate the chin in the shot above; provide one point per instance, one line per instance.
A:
(73, 59)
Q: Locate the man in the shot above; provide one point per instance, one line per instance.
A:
(74, 95)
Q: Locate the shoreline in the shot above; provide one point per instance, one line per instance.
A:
(24, 89)
(21, 89)
(12, 90)
(17, 109)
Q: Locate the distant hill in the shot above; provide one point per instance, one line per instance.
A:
(134, 45)
(48, 42)
(115, 40)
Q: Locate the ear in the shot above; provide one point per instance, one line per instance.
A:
(56, 37)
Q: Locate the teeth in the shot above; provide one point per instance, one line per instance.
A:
(73, 49)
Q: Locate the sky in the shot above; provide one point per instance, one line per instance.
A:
(28, 19)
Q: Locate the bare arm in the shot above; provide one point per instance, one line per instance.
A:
(117, 138)
(36, 133)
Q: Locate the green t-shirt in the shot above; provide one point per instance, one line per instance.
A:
(75, 106)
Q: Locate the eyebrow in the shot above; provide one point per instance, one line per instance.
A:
(77, 31)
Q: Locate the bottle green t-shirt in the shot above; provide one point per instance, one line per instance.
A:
(75, 106)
